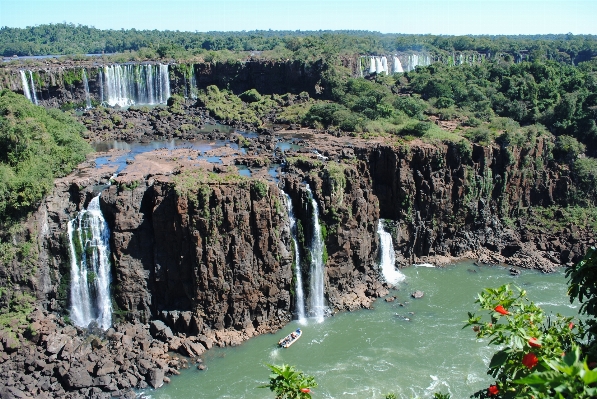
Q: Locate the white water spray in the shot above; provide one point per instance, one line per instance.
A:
(388, 257)
(33, 94)
(126, 85)
(316, 297)
(90, 275)
(25, 84)
(300, 296)
(397, 68)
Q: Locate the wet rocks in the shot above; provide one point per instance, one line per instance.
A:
(417, 294)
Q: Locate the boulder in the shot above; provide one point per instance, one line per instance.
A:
(77, 378)
(155, 378)
(417, 294)
(160, 331)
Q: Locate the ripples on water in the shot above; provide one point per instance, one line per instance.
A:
(369, 353)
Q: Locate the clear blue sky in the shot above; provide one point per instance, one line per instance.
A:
(387, 16)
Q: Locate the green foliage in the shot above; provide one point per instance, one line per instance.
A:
(567, 149)
(13, 318)
(260, 188)
(250, 96)
(582, 281)
(36, 145)
(228, 107)
(529, 341)
(288, 383)
(584, 172)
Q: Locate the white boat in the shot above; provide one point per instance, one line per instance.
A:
(290, 338)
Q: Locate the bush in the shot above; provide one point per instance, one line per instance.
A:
(250, 96)
(567, 149)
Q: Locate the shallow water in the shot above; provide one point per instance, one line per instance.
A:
(369, 353)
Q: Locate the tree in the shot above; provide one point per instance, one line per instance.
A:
(288, 383)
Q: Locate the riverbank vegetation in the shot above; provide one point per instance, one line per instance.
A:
(36, 146)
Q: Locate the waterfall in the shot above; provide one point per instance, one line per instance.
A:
(89, 236)
(192, 84)
(33, 94)
(316, 302)
(397, 66)
(86, 86)
(126, 85)
(384, 65)
(371, 65)
(300, 296)
(388, 257)
(378, 65)
(25, 84)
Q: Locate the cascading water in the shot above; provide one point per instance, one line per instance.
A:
(384, 65)
(316, 296)
(388, 257)
(372, 65)
(300, 296)
(86, 86)
(33, 94)
(90, 276)
(192, 84)
(126, 85)
(25, 84)
(397, 68)
(378, 65)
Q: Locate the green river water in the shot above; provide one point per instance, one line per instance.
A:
(369, 353)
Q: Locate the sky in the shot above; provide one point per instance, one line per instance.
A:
(447, 17)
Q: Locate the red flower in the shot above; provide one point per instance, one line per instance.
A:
(571, 325)
(500, 309)
(534, 343)
(530, 360)
(493, 390)
(305, 390)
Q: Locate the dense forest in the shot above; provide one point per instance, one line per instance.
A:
(70, 39)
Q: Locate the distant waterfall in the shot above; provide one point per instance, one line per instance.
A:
(193, 84)
(384, 65)
(86, 86)
(378, 65)
(372, 65)
(125, 85)
(33, 94)
(25, 84)
(316, 300)
(300, 296)
(89, 235)
(388, 257)
(397, 68)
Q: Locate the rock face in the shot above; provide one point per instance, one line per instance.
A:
(447, 205)
(216, 259)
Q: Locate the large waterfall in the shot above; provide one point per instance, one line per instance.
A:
(388, 257)
(86, 86)
(316, 295)
(125, 85)
(300, 296)
(88, 235)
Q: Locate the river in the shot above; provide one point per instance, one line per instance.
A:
(369, 353)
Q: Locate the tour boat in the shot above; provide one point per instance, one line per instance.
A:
(290, 338)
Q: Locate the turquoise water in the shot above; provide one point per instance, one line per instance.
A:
(369, 353)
